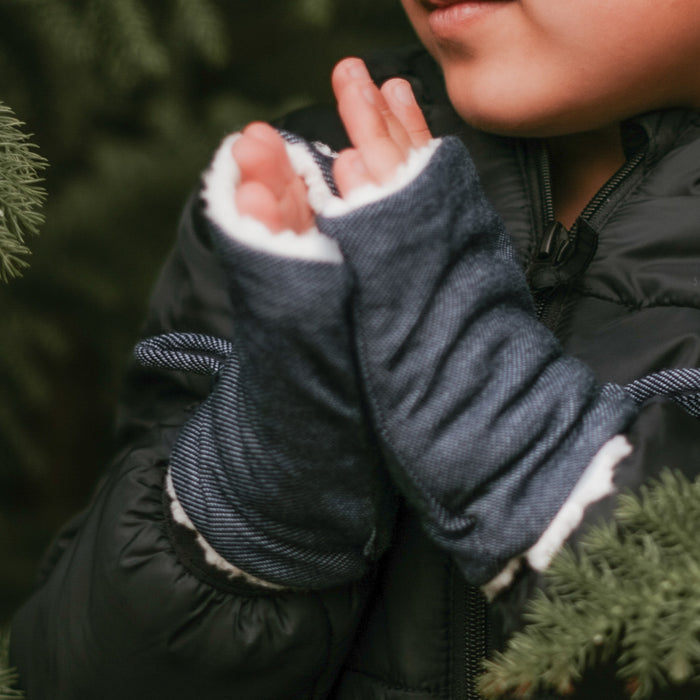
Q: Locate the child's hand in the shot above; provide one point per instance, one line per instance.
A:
(383, 125)
(270, 190)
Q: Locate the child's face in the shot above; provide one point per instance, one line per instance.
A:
(552, 67)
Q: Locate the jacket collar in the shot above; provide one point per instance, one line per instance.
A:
(661, 130)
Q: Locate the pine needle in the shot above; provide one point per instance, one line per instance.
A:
(8, 676)
(21, 195)
(631, 594)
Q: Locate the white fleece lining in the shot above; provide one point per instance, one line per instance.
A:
(211, 556)
(405, 173)
(220, 183)
(595, 483)
(223, 176)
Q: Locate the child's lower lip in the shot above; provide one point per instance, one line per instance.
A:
(447, 19)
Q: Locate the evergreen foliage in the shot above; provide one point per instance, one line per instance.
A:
(630, 596)
(8, 676)
(20, 194)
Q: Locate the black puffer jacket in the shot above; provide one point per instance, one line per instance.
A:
(127, 606)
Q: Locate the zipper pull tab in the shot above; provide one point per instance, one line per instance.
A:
(553, 234)
(555, 242)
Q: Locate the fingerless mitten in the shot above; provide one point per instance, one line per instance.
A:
(487, 426)
(277, 470)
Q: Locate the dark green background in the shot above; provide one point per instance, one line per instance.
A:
(126, 100)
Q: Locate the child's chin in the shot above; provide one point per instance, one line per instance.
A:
(510, 111)
(525, 128)
(515, 120)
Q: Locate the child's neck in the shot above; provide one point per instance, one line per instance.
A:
(580, 165)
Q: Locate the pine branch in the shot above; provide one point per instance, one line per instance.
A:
(8, 676)
(21, 195)
(203, 27)
(135, 49)
(630, 595)
(316, 11)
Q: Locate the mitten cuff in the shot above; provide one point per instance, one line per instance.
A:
(432, 207)
(223, 176)
(595, 483)
(218, 193)
(211, 556)
(295, 505)
(406, 173)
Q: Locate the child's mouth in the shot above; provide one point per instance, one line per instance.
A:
(449, 17)
(432, 5)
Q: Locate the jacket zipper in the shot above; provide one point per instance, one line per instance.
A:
(469, 637)
(475, 632)
(556, 242)
(553, 239)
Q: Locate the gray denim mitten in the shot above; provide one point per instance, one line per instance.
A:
(277, 469)
(487, 426)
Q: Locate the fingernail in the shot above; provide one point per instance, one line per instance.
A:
(403, 93)
(356, 69)
(369, 93)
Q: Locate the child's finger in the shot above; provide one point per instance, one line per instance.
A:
(294, 207)
(261, 155)
(256, 200)
(400, 98)
(369, 132)
(351, 70)
(350, 172)
(290, 212)
(270, 190)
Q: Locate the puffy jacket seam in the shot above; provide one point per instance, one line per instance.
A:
(633, 305)
(693, 123)
(395, 686)
(328, 646)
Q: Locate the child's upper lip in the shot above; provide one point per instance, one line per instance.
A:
(437, 4)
